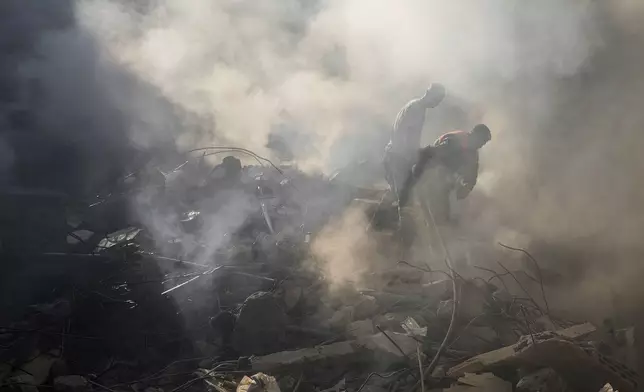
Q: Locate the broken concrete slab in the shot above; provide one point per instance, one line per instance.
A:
(581, 366)
(486, 382)
(509, 353)
(577, 331)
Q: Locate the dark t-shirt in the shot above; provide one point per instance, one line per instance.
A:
(454, 152)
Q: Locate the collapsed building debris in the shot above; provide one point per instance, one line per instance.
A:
(130, 306)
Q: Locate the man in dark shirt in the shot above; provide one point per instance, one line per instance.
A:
(402, 151)
(456, 151)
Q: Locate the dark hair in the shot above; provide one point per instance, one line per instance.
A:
(483, 131)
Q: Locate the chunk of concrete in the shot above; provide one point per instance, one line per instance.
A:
(510, 353)
(582, 367)
(577, 331)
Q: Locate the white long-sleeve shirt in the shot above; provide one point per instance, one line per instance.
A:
(408, 128)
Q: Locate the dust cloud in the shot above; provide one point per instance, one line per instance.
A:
(558, 82)
(344, 249)
(329, 71)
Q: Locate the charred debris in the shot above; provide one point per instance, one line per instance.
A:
(200, 278)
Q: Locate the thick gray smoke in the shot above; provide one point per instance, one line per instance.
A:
(558, 82)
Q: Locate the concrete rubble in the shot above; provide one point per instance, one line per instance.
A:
(123, 310)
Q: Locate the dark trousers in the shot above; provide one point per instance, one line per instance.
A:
(403, 171)
(398, 170)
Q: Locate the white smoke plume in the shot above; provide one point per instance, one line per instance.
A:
(332, 69)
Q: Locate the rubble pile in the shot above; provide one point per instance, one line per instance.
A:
(122, 302)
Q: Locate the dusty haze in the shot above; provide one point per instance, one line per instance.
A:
(558, 82)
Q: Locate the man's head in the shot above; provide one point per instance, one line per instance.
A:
(434, 95)
(479, 136)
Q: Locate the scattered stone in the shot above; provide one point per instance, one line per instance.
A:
(70, 383)
(544, 380)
